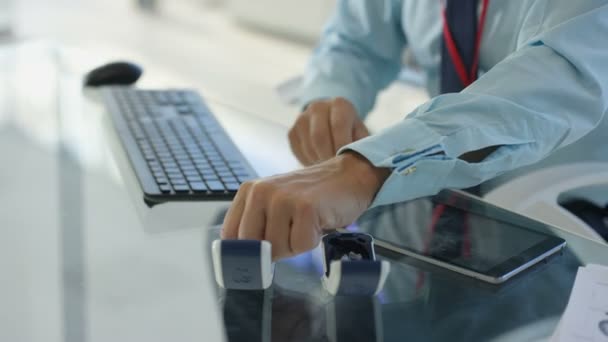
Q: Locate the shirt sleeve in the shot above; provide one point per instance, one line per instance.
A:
(549, 93)
(358, 55)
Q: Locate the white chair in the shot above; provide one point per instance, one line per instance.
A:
(538, 193)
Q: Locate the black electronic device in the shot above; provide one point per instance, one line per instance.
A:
(350, 265)
(242, 264)
(463, 234)
(178, 149)
(115, 73)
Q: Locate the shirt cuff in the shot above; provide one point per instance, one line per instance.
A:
(415, 154)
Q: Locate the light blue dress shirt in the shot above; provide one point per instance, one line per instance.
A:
(543, 88)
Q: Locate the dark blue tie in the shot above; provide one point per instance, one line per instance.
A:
(451, 237)
(461, 17)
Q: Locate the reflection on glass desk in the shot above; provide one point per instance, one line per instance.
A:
(420, 302)
(282, 315)
(462, 233)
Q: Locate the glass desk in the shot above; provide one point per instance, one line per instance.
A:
(420, 302)
(83, 260)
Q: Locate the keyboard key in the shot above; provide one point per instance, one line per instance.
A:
(240, 173)
(214, 157)
(199, 159)
(156, 168)
(174, 97)
(150, 157)
(215, 186)
(211, 178)
(170, 165)
(198, 186)
(183, 109)
(165, 189)
(183, 161)
(162, 180)
(161, 148)
(244, 179)
(173, 171)
(199, 111)
(232, 186)
(203, 166)
(217, 163)
(239, 170)
(229, 180)
(181, 188)
(161, 97)
(191, 122)
(196, 178)
(190, 97)
(220, 166)
(207, 146)
(177, 179)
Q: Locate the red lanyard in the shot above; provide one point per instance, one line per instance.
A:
(466, 76)
(466, 243)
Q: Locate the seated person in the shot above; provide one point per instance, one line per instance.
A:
(513, 83)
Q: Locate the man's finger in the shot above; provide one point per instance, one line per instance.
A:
(305, 231)
(296, 147)
(303, 131)
(253, 222)
(320, 136)
(278, 227)
(232, 219)
(341, 124)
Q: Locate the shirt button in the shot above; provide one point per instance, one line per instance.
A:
(408, 171)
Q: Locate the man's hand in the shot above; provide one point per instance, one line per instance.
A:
(323, 128)
(292, 210)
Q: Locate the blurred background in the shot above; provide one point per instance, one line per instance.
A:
(241, 52)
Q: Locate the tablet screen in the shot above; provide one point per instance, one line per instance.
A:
(452, 230)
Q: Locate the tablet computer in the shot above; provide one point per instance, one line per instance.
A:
(461, 233)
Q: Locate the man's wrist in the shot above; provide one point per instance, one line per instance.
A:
(371, 177)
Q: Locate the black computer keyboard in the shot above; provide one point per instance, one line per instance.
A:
(175, 145)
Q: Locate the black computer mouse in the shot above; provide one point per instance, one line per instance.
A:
(116, 73)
